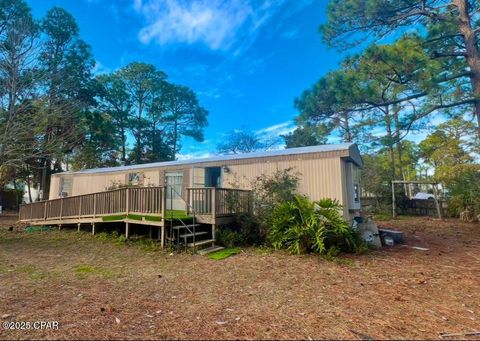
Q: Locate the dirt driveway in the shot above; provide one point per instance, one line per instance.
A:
(96, 288)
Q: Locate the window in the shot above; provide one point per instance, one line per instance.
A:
(134, 178)
(174, 181)
(65, 187)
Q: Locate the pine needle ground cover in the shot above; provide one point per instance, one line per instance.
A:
(98, 289)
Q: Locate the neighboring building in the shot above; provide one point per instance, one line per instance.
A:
(325, 171)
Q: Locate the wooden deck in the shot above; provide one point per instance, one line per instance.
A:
(139, 205)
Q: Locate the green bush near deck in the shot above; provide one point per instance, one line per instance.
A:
(228, 238)
(302, 226)
(38, 228)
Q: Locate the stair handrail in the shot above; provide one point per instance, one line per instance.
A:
(181, 221)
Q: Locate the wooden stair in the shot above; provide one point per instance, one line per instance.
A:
(210, 249)
(183, 234)
(201, 243)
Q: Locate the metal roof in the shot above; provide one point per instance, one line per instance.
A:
(351, 147)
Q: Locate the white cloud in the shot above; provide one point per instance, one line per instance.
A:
(195, 155)
(219, 24)
(274, 132)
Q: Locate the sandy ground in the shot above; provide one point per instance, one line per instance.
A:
(97, 289)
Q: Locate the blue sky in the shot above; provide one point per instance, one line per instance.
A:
(246, 60)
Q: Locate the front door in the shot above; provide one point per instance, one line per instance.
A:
(213, 177)
(174, 181)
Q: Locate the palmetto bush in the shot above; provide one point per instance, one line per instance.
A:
(301, 226)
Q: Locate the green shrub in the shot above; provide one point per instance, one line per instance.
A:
(120, 240)
(249, 228)
(228, 238)
(270, 191)
(463, 185)
(301, 226)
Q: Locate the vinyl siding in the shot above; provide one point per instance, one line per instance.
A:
(320, 178)
(322, 175)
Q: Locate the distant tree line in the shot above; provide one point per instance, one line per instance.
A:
(428, 65)
(55, 114)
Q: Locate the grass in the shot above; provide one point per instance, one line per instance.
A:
(225, 253)
(86, 270)
(37, 228)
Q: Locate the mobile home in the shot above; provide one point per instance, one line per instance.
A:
(325, 171)
(203, 187)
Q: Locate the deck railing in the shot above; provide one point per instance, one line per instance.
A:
(219, 201)
(144, 200)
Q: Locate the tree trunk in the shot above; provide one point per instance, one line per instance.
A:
(175, 137)
(346, 127)
(16, 193)
(46, 178)
(138, 155)
(399, 147)
(391, 153)
(472, 53)
(29, 188)
(124, 153)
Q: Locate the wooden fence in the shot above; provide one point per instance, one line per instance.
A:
(144, 200)
(421, 207)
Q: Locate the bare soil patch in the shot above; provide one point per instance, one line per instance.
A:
(99, 290)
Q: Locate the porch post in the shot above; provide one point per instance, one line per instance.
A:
(127, 230)
(127, 202)
(94, 204)
(80, 209)
(162, 236)
(394, 213)
(93, 228)
(214, 202)
(164, 215)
